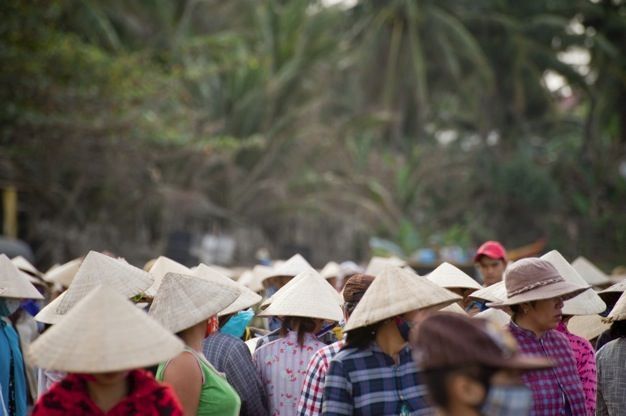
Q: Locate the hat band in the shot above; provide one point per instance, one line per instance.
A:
(534, 286)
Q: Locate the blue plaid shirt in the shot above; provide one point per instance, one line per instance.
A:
(367, 381)
(232, 357)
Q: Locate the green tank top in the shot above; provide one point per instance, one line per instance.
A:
(217, 397)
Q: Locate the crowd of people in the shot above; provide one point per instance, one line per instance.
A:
(99, 336)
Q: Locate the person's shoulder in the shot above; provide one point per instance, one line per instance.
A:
(612, 347)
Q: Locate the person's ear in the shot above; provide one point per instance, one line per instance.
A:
(466, 390)
(525, 307)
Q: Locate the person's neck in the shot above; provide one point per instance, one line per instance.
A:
(389, 339)
(194, 336)
(529, 325)
(106, 396)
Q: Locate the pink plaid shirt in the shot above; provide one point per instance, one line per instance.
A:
(586, 364)
(310, 403)
(556, 391)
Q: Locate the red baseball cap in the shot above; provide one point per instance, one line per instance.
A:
(491, 249)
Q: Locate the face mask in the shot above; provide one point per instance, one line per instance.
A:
(514, 400)
(237, 323)
(8, 306)
(404, 327)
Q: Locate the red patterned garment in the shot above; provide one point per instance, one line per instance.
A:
(147, 397)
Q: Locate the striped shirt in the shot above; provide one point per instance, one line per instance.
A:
(556, 391)
(310, 403)
(366, 381)
(611, 378)
(281, 365)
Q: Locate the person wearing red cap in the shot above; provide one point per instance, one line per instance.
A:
(490, 259)
(472, 368)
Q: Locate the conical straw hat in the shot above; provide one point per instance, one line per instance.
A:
(249, 280)
(14, 282)
(449, 276)
(493, 293)
(100, 269)
(48, 314)
(590, 272)
(221, 270)
(396, 291)
(331, 270)
(304, 275)
(588, 302)
(497, 316)
(162, 266)
(378, 264)
(292, 267)
(310, 296)
(246, 299)
(587, 326)
(454, 308)
(63, 274)
(25, 266)
(183, 301)
(618, 313)
(103, 333)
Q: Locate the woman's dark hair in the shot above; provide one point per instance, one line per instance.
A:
(361, 337)
(618, 329)
(303, 325)
(436, 381)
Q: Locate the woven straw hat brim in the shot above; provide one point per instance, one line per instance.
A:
(24, 265)
(63, 274)
(293, 281)
(449, 276)
(246, 299)
(183, 301)
(100, 269)
(563, 288)
(48, 314)
(310, 296)
(494, 293)
(587, 326)
(14, 282)
(396, 291)
(292, 267)
(103, 333)
(586, 303)
(497, 316)
(590, 272)
(160, 268)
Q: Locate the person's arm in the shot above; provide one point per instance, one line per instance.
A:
(337, 398)
(243, 376)
(184, 375)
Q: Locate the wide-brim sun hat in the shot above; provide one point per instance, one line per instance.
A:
(162, 266)
(378, 264)
(590, 272)
(586, 303)
(63, 274)
(246, 299)
(103, 333)
(494, 293)
(451, 277)
(14, 282)
(100, 269)
(295, 265)
(532, 279)
(587, 326)
(396, 291)
(309, 296)
(183, 301)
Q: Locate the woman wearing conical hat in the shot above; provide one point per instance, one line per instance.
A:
(187, 306)
(13, 288)
(102, 343)
(535, 293)
(374, 374)
(302, 306)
